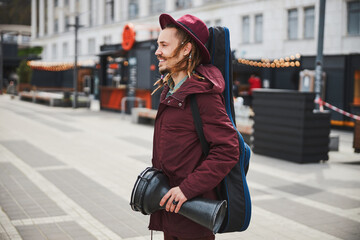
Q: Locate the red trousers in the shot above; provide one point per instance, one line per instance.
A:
(168, 237)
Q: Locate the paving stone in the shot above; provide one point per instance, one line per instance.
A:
(142, 158)
(259, 177)
(25, 196)
(4, 236)
(60, 231)
(53, 124)
(312, 217)
(299, 189)
(137, 141)
(31, 154)
(336, 200)
(256, 192)
(97, 200)
(320, 195)
(30, 232)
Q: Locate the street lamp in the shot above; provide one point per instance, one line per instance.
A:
(319, 56)
(1, 62)
(77, 26)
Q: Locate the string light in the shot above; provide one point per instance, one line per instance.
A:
(292, 61)
(58, 66)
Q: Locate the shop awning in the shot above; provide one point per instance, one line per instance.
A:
(115, 53)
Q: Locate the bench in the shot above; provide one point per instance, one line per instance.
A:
(61, 99)
(143, 115)
(53, 99)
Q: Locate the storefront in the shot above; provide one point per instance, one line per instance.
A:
(341, 87)
(129, 74)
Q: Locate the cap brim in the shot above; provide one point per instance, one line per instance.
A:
(166, 19)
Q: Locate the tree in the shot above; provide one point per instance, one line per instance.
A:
(30, 52)
(24, 72)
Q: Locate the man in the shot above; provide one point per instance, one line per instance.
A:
(177, 151)
(254, 82)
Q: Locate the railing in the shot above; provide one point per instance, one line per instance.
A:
(133, 99)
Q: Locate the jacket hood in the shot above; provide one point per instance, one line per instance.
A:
(213, 82)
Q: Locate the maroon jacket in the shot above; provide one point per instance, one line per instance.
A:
(177, 149)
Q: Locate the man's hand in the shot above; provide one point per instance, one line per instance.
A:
(174, 195)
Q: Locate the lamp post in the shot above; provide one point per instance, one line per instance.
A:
(76, 26)
(1, 63)
(319, 56)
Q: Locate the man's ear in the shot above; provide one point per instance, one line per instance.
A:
(187, 48)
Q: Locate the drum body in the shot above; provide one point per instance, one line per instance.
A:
(148, 190)
(151, 185)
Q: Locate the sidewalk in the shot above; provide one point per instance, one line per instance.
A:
(68, 174)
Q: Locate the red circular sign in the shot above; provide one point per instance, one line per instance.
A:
(128, 37)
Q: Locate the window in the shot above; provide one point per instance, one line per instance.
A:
(133, 9)
(46, 18)
(56, 26)
(67, 27)
(109, 11)
(44, 52)
(65, 49)
(54, 51)
(246, 29)
(258, 28)
(77, 6)
(107, 39)
(292, 24)
(183, 4)
(56, 3)
(10, 38)
(353, 23)
(91, 45)
(309, 23)
(91, 13)
(26, 39)
(157, 6)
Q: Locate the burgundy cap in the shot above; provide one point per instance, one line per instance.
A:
(192, 26)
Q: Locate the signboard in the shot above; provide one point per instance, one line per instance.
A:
(128, 37)
(132, 76)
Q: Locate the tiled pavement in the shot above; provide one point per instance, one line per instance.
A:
(68, 174)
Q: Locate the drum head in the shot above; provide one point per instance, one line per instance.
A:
(141, 184)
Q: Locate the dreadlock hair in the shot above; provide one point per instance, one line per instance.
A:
(187, 64)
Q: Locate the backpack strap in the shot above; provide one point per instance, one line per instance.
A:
(198, 124)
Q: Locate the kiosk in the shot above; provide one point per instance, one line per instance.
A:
(128, 70)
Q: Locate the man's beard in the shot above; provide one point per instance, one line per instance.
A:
(168, 68)
(164, 72)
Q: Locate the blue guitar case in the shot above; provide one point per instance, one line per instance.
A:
(234, 188)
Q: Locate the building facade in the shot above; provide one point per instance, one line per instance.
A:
(12, 38)
(262, 32)
(259, 28)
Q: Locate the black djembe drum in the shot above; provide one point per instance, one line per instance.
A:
(151, 185)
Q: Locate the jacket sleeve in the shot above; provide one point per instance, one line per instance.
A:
(224, 147)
